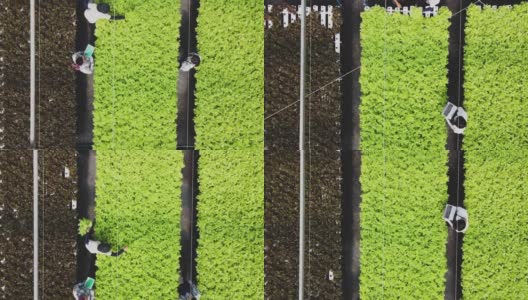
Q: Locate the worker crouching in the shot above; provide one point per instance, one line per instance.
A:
(98, 247)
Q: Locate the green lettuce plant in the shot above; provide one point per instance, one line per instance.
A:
(84, 226)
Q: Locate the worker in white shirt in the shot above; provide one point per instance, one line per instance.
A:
(83, 62)
(98, 247)
(96, 12)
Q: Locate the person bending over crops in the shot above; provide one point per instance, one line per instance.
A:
(83, 63)
(401, 3)
(188, 291)
(100, 11)
(98, 247)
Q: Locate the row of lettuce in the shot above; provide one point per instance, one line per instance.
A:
(229, 115)
(135, 76)
(230, 80)
(138, 171)
(496, 245)
(404, 159)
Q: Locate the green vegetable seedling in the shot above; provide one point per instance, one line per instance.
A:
(84, 226)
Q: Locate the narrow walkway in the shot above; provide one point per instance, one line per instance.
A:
(185, 141)
(351, 154)
(86, 156)
(189, 232)
(185, 136)
(455, 187)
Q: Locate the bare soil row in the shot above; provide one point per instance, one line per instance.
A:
(323, 115)
(55, 92)
(57, 223)
(16, 224)
(15, 71)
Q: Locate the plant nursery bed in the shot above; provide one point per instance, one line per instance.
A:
(138, 205)
(16, 222)
(496, 160)
(57, 106)
(57, 223)
(495, 54)
(496, 194)
(136, 74)
(15, 74)
(230, 78)
(230, 262)
(404, 170)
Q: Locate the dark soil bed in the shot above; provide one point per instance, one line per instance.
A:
(281, 84)
(323, 224)
(281, 224)
(323, 115)
(15, 74)
(57, 224)
(56, 31)
(16, 223)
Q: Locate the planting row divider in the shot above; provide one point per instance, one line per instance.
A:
(189, 230)
(185, 141)
(350, 141)
(455, 186)
(86, 159)
(185, 131)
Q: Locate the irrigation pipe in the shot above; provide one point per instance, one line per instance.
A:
(301, 152)
(32, 73)
(35, 151)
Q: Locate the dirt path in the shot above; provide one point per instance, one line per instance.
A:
(189, 232)
(350, 139)
(85, 209)
(185, 140)
(84, 83)
(86, 163)
(455, 187)
(186, 81)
